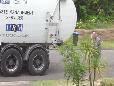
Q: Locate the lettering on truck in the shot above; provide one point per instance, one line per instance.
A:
(14, 1)
(14, 27)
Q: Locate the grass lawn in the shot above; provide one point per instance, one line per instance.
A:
(51, 83)
(105, 82)
(108, 44)
(108, 82)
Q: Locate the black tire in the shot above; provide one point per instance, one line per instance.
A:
(11, 63)
(38, 62)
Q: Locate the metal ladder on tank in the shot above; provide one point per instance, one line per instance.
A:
(54, 25)
(49, 22)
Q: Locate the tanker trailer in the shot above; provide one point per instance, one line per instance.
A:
(28, 28)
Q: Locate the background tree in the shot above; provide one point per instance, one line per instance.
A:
(94, 13)
(86, 8)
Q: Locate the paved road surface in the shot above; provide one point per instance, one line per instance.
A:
(108, 55)
(56, 70)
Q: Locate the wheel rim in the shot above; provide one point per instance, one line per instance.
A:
(38, 62)
(12, 63)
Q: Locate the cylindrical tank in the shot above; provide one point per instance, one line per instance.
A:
(36, 21)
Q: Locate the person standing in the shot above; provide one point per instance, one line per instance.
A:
(96, 39)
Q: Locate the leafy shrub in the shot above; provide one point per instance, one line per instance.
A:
(93, 22)
(73, 64)
(79, 62)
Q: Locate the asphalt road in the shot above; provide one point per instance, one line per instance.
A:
(56, 69)
(108, 56)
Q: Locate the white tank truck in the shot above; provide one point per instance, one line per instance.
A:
(28, 28)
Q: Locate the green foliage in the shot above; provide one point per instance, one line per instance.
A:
(73, 64)
(94, 22)
(93, 60)
(94, 13)
(77, 62)
(86, 8)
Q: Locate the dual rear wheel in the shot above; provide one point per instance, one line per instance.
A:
(12, 61)
(38, 62)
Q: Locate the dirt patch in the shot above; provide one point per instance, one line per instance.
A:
(105, 34)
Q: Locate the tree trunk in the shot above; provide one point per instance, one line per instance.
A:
(90, 75)
(94, 76)
(78, 83)
(90, 78)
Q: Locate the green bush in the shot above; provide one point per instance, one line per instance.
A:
(79, 62)
(73, 65)
(93, 22)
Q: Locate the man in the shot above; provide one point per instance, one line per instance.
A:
(96, 39)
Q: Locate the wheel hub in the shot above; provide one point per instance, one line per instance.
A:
(11, 63)
(38, 62)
